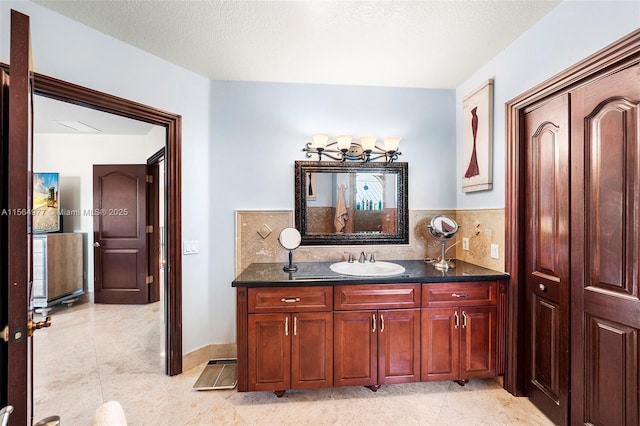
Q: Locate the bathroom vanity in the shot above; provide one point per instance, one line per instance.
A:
(314, 328)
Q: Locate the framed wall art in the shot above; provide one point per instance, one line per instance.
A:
(46, 203)
(477, 134)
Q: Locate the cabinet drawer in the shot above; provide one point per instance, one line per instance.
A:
(459, 294)
(290, 299)
(382, 296)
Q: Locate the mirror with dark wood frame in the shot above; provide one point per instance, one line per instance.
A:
(342, 203)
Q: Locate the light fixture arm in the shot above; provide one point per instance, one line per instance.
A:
(354, 153)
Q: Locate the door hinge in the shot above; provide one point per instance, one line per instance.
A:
(149, 279)
(148, 178)
(4, 334)
(150, 229)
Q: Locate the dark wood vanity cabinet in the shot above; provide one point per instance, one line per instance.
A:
(373, 345)
(291, 348)
(365, 334)
(459, 331)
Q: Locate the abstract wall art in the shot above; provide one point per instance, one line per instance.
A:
(477, 133)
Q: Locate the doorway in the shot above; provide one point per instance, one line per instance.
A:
(74, 343)
(172, 123)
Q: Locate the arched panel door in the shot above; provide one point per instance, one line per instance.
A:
(605, 150)
(119, 233)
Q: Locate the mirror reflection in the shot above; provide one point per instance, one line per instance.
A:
(338, 203)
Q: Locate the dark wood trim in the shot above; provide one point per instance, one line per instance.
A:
(153, 220)
(78, 95)
(20, 384)
(242, 336)
(155, 158)
(619, 55)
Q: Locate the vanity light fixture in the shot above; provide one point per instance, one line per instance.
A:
(345, 148)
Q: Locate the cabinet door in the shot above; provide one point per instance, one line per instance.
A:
(440, 344)
(478, 333)
(269, 352)
(398, 346)
(355, 351)
(312, 350)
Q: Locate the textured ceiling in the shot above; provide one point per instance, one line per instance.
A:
(48, 113)
(428, 44)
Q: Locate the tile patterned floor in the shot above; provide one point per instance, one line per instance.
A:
(95, 353)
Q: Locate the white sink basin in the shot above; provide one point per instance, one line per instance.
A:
(367, 269)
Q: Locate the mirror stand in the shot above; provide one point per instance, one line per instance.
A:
(443, 264)
(290, 267)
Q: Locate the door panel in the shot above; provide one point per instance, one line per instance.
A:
(18, 223)
(355, 349)
(547, 256)
(478, 342)
(611, 353)
(269, 352)
(545, 339)
(440, 344)
(605, 148)
(120, 239)
(4, 247)
(399, 346)
(312, 350)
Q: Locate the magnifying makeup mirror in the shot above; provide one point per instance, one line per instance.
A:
(443, 228)
(290, 239)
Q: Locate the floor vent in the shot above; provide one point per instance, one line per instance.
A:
(218, 374)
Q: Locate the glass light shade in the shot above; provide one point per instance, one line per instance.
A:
(320, 140)
(391, 144)
(344, 141)
(368, 142)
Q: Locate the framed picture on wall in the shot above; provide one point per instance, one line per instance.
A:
(477, 133)
(46, 202)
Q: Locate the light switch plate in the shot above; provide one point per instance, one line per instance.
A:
(495, 251)
(465, 244)
(190, 247)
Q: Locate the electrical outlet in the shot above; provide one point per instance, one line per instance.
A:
(495, 251)
(465, 244)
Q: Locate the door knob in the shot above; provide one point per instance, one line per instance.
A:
(542, 287)
(96, 244)
(31, 326)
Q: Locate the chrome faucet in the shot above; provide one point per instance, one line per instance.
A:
(363, 257)
(349, 257)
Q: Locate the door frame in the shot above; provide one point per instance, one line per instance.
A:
(606, 61)
(153, 219)
(68, 92)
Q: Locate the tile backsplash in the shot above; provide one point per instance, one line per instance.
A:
(257, 239)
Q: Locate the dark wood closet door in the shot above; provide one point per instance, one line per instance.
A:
(605, 206)
(547, 257)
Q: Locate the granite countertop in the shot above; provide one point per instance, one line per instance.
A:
(318, 273)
